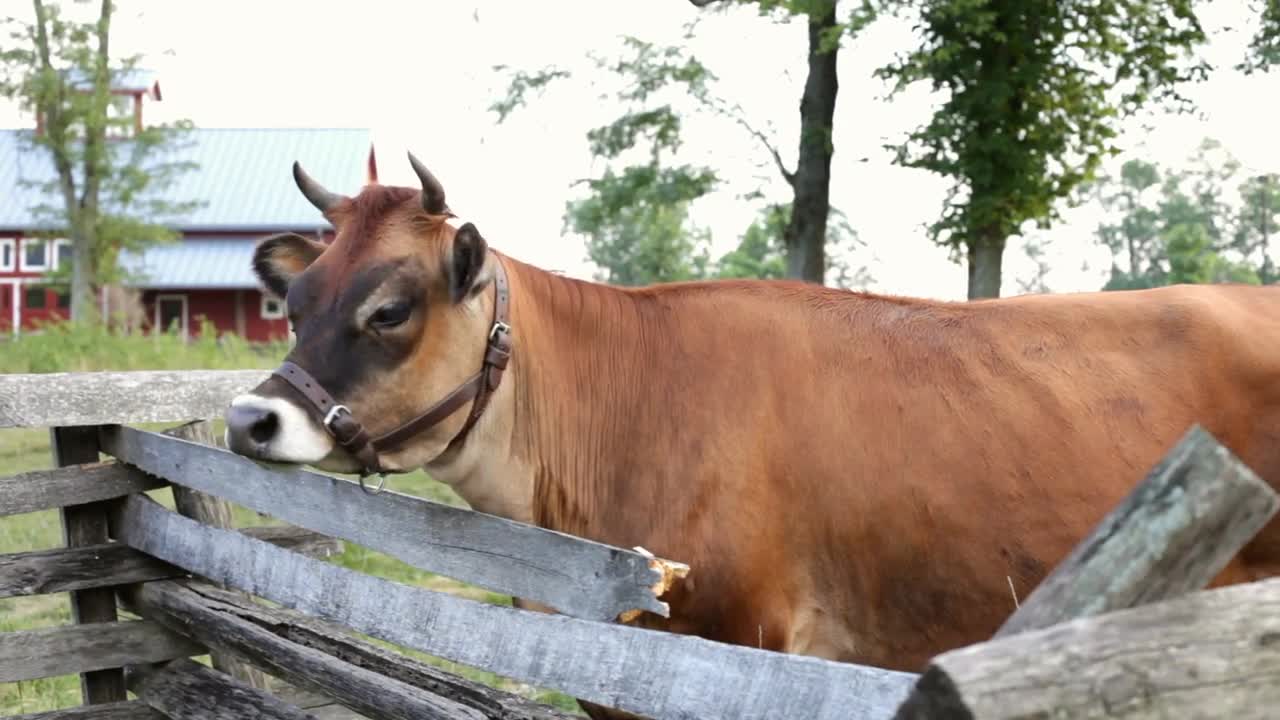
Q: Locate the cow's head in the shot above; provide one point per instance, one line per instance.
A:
(389, 317)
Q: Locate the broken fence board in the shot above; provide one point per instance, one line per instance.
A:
(577, 577)
(124, 710)
(1173, 533)
(97, 398)
(107, 564)
(71, 485)
(327, 660)
(1209, 654)
(48, 652)
(186, 690)
(656, 674)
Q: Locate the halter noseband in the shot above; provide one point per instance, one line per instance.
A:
(349, 434)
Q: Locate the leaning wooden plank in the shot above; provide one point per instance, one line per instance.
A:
(96, 398)
(107, 564)
(47, 652)
(215, 512)
(126, 710)
(71, 485)
(289, 645)
(655, 674)
(576, 577)
(1210, 654)
(1174, 532)
(185, 689)
(86, 524)
(66, 569)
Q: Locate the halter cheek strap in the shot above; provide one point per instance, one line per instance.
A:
(350, 434)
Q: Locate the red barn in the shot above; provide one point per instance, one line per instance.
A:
(242, 180)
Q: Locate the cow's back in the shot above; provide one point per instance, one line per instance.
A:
(871, 475)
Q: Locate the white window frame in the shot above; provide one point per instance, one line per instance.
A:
(22, 255)
(51, 258)
(186, 311)
(13, 254)
(266, 314)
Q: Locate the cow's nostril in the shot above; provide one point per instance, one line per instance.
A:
(264, 427)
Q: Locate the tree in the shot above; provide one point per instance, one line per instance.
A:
(636, 223)
(806, 230)
(1182, 233)
(1034, 250)
(652, 71)
(62, 71)
(761, 253)
(1136, 233)
(1258, 218)
(1033, 92)
(1264, 49)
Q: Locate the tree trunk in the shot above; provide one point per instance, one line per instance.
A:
(82, 295)
(85, 235)
(985, 259)
(806, 232)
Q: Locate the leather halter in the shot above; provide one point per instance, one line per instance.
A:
(347, 431)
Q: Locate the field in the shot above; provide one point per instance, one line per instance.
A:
(64, 349)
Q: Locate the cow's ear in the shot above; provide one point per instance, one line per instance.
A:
(281, 258)
(467, 270)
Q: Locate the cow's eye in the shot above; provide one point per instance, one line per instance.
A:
(390, 315)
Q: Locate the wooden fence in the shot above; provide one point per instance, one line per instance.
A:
(1121, 627)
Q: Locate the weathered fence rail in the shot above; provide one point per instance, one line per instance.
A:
(1092, 638)
(575, 576)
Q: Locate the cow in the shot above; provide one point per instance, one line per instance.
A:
(853, 476)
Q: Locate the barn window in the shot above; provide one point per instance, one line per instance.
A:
(6, 254)
(64, 300)
(35, 254)
(272, 309)
(35, 298)
(62, 254)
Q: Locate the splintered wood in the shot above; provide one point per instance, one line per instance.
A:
(669, 570)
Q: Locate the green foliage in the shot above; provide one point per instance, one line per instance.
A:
(636, 224)
(761, 252)
(1034, 91)
(1264, 48)
(1257, 221)
(1178, 227)
(635, 216)
(520, 86)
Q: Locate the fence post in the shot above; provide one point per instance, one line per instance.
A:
(87, 524)
(215, 512)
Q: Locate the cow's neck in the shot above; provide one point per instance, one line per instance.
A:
(561, 416)
(582, 364)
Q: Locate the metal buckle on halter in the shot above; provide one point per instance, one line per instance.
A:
(333, 412)
(498, 326)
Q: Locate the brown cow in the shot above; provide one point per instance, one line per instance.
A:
(851, 476)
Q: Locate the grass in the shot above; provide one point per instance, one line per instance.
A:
(70, 349)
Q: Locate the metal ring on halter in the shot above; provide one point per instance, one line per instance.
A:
(382, 480)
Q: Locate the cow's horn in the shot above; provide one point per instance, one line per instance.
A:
(314, 191)
(432, 190)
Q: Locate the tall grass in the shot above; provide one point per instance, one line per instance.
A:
(68, 347)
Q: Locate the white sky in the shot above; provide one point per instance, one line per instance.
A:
(419, 74)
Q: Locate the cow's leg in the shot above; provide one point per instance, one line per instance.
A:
(1261, 557)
